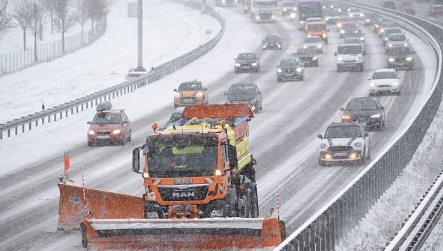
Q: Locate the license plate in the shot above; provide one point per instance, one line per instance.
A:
(103, 137)
(340, 154)
(289, 75)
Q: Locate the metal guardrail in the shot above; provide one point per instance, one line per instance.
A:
(331, 224)
(26, 123)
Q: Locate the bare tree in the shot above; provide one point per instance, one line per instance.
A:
(97, 9)
(50, 6)
(81, 14)
(63, 19)
(22, 13)
(38, 10)
(5, 19)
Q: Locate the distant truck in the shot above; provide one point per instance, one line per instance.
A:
(225, 2)
(307, 9)
(263, 10)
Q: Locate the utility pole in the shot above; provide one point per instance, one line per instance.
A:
(140, 35)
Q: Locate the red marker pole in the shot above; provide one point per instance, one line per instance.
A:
(67, 164)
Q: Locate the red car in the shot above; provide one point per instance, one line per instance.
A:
(436, 10)
(109, 126)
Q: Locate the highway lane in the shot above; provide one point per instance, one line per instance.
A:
(283, 137)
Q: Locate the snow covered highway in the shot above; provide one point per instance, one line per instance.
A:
(283, 134)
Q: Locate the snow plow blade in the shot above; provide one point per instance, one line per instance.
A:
(211, 233)
(99, 204)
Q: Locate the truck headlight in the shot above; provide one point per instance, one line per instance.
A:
(305, 46)
(357, 59)
(292, 15)
(285, 9)
(342, 31)
(395, 83)
(390, 45)
(368, 20)
(116, 131)
(314, 58)
(299, 69)
(254, 64)
(273, 17)
(391, 59)
(409, 58)
(319, 46)
(237, 64)
(91, 132)
(362, 38)
(279, 70)
(362, 14)
(372, 84)
(324, 35)
(199, 95)
(340, 58)
(376, 116)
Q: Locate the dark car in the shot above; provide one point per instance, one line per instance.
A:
(347, 27)
(272, 43)
(377, 23)
(290, 69)
(388, 31)
(370, 18)
(357, 33)
(389, 4)
(247, 62)
(408, 10)
(245, 92)
(176, 115)
(288, 7)
(109, 126)
(367, 111)
(308, 56)
(400, 57)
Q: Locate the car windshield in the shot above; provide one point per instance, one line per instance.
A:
(353, 41)
(399, 51)
(354, 32)
(399, 37)
(245, 56)
(264, 4)
(387, 24)
(289, 62)
(241, 89)
(188, 156)
(107, 118)
(190, 87)
(288, 4)
(312, 39)
(316, 27)
(307, 51)
(343, 132)
(349, 49)
(349, 26)
(359, 105)
(384, 75)
(271, 38)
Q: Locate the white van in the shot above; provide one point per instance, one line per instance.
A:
(350, 56)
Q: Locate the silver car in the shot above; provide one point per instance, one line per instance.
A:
(397, 40)
(384, 81)
(313, 42)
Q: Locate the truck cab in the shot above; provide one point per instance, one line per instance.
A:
(263, 10)
(318, 29)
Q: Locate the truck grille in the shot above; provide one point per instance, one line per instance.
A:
(265, 16)
(189, 193)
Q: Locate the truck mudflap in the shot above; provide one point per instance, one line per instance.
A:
(76, 202)
(210, 233)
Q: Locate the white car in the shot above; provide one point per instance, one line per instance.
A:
(313, 42)
(396, 40)
(344, 142)
(350, 56)
(384, 80)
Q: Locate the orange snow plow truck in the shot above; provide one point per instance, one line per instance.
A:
(200, 191)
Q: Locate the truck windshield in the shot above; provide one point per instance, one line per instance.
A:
(309, 9)
(265, 4)
(182, 155)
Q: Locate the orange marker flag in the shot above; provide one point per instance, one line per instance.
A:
(66, 160)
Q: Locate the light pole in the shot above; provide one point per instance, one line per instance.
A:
(140, 35)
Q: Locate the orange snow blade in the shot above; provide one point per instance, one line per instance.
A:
(211, 233)
(100, 204)
(217, 111)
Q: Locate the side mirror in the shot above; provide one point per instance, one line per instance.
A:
(335, 53)
(382, 107)
(366, 134)
(205, 89)
(342, 109)
(175, 90)
(136, 157)
(320, 136)
(89, 123)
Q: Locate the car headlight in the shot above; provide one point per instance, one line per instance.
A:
(372, 84)
(199, 95)
(314, 58)
(368, 20)
(362, 14)
(409, 58)
(116, 131)
(323, 145)
(319, 46)
(237, 64)
(391, 59)
(324, 35)
(339, 25)
(254, 64)
(91, 132)
(299, 69)
(346, 117)
(302, 22)
(362, 38)
(279, 45)
(395, 83)
(279, 70)
(390, 45)
(406, 44)
(386, 39)
(376, 116)
(340, 58)
(177, 95)
(305, 46)
(257, 17)
(358, 59)
(264, 46)
(285, 9)
(292, 15)
(342, 31)
(327, 18)
(273, 17)
(358, 144)
(382, 30)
